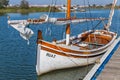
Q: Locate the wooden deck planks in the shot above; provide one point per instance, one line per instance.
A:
(112, 68)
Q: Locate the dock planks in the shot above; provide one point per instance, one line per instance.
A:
(112, 68)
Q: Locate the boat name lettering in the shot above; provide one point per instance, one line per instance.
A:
(50, 55)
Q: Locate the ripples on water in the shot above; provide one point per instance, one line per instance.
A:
(18, 60)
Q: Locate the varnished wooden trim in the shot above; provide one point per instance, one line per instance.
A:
(59, 48)
(68, 50)
(67, 55)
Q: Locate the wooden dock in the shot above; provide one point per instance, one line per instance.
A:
(108, 67)
(112, 69)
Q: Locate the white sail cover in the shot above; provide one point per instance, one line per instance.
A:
(20, 26)
(75, 21)
(64, 21)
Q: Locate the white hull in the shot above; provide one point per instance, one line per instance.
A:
(47, 61)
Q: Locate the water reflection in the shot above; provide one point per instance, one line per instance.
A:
(2, 14)
(24, 13)
(77, 73)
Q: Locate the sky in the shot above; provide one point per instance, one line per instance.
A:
(78, 2)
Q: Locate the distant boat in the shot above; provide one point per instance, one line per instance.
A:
(73, 51)
(82, 10)
(73, 9)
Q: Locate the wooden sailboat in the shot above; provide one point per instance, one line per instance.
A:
(74, 51)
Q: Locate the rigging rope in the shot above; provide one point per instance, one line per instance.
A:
(90, 11)
(52, 6)
(86, 14)
(67, 55)
(96, 25)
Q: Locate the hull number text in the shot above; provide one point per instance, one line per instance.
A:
(50, 55)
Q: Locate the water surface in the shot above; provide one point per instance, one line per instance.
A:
(18, 60)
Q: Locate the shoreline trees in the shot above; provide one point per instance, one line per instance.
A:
(24, 4)
(4, 3)
(24, 7)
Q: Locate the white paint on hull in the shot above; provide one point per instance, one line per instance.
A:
(47, 61)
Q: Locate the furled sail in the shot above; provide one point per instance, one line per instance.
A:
(64, 21)
(20, 26)
(61, 21)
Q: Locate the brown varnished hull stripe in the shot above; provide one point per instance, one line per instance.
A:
(68, 50)
(67, 55)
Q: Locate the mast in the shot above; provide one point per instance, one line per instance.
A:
(111, 15)
(68, 25)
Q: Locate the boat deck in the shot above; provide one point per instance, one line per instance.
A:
(82, 45)
(89, 40)
(112, 68)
